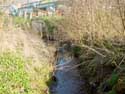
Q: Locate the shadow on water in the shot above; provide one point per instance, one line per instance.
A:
(66, 80)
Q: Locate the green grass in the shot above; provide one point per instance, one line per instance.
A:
(13, 77)
(112, 92)
(51, 22)
(113, 80)
(20, 21)
(77, 50)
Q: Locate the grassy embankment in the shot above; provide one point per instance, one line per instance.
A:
(25, 62)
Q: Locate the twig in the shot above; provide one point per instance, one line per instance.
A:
(118, 66)
(121, 62)
(75, 66)
(106, 50)
(62, 64)
(92, 49)
(70, 68)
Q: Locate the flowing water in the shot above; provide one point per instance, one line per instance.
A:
(68, 78)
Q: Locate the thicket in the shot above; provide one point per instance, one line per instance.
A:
(98, 27)
(47, 26)
(51, 22)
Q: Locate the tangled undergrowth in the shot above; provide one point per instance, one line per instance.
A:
(104, 68)
(97, 29)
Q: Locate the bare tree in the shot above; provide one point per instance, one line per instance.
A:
(95, 19)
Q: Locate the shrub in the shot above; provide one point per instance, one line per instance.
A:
(20, 21)
(113, 80)
(51, 22)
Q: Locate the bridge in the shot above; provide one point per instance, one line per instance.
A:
(36, 7)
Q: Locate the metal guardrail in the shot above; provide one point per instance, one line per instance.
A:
(34, 7)
(39, 4)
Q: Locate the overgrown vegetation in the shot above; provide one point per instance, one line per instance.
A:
(47, 26)
(13, 76)
(21, 22)
(98, 28)
(52, 22)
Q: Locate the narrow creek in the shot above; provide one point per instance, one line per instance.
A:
(68, 78)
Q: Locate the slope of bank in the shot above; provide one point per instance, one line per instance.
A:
(37, 55)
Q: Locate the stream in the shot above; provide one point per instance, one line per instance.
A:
(68, 78)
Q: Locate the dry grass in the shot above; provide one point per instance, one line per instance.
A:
(33, 48)
(94, 20)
